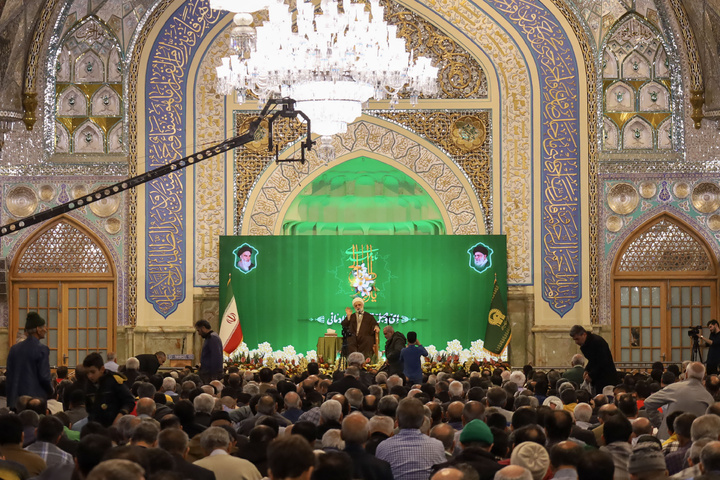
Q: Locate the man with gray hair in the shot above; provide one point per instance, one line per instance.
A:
(131, 369)
(266, 407)
(203, 404)
(331, 411)
(350, 380)
(693, 461)
(355, 399)
(705, 426)
(111, 363)
(215, 441)
(410, 453)
(168, 388)
(394, 343)
(513, 472)
(446, 434)
(689, 396)
(357, 359)
(518, 378)
(393, 381)
(583, 413)
(456, 391)
(380, 428)
(355, 433)
(576, 371)
(710, 461)
(293, 404)
(176, 443)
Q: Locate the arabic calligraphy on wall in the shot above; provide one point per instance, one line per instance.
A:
(560, 137)
(165, 126)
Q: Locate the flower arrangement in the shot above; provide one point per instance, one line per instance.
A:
(453, 357)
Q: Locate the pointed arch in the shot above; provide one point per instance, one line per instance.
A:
(666, 245)
(664, 280)
(82, 254)
(66, 273)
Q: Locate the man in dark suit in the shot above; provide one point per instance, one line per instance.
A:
(350, 380)
(28, 363)
(150, 362)
(175, 442)
(362, 328)
(395, 342)
(365, 465)
(600, 368)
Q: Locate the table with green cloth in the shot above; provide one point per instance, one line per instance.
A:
(328, 348)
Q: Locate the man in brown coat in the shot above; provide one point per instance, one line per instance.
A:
(362, 328)
(11, 441)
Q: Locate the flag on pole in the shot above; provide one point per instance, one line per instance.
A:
(498, 331)
(230, 330)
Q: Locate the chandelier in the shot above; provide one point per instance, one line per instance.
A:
(331, 65)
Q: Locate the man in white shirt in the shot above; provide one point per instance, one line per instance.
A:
(215, 441)
(111, 364)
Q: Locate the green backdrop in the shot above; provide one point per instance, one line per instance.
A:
(299, 286)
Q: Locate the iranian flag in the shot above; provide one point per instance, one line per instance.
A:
(230, 329)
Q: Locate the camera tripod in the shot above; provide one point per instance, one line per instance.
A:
(696, 354)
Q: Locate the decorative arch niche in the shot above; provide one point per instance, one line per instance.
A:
(363, 196)
(278, 185)
(67, 274)
(664, 280)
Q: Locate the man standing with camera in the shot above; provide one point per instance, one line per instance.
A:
(713, 343)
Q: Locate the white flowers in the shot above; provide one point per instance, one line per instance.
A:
(454, 347)
(288, 354)
(362, 281)
(476, 352)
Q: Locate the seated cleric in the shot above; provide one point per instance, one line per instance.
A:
(362, 327)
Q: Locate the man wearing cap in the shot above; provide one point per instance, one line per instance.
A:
(476, 439)
(28, 363)
(647, 462)
(532, 456)
(362, 328)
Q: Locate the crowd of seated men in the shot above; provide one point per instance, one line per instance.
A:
(486, 423)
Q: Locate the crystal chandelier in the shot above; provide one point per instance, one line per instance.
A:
(332, 64)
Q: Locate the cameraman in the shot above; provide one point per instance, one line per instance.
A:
(713, 343)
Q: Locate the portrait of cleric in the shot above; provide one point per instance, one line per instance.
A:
(480, 257)
(245, 258)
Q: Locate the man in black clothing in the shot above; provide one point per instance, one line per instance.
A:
(713, 342)
(365, 466)
(150, 362)
(395, 342)
(176, 443)
(108, 397)
(600, 368)
(350, 380)
(476, 440)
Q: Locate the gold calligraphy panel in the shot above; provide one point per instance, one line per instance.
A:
(210, 187)
(262, 216)
(516, 148)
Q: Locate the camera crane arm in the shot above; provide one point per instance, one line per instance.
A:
(287, 111)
